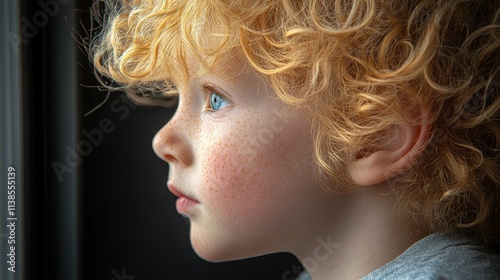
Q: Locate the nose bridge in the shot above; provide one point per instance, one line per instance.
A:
(171, 142)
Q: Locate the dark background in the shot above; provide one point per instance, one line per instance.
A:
(108, 214)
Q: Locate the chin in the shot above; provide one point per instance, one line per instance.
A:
(216, 252)
(216, 255)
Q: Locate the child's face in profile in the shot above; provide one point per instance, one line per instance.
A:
(241, 162)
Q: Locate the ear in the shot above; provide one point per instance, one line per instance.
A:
(395, 154)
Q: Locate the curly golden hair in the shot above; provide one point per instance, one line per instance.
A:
(357, 68)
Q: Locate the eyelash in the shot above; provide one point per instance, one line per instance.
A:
(209, 90)
(170, 98)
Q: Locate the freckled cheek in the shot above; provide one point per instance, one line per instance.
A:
(237, 189)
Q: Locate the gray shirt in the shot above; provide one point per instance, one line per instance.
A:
(439, 256)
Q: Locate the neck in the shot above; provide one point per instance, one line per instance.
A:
(362, 241)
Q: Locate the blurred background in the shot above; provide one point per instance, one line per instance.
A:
(91, 196)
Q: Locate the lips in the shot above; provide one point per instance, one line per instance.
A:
(184, 203)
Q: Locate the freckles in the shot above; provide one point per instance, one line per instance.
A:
(248, 182)
(234, 187)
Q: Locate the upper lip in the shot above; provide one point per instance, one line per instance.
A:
(173, 189)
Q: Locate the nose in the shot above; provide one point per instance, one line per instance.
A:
(172, 142)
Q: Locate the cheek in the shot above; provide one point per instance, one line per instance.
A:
(238, 185)
(252, 180)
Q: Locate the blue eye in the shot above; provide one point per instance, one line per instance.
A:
(217, 102)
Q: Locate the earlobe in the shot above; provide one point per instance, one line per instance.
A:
(399, 151)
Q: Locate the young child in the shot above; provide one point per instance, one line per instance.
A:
(362, 136)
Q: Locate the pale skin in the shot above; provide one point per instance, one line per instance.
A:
(248, 170)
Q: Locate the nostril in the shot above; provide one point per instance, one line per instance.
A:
(169, 158)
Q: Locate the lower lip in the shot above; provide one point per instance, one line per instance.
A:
(183, 204)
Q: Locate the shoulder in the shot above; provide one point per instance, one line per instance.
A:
(441, 256)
